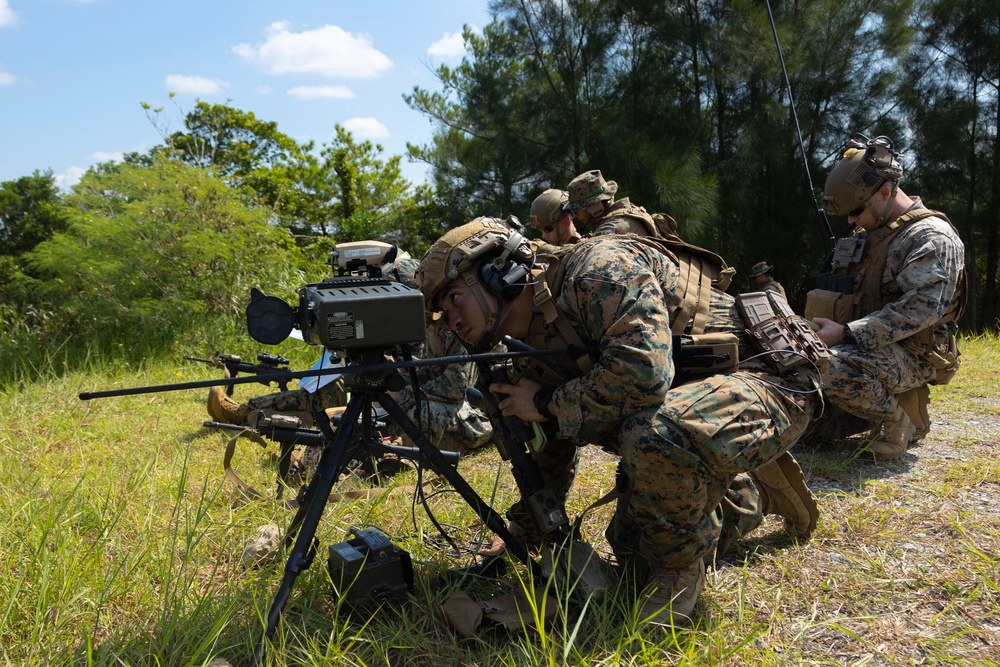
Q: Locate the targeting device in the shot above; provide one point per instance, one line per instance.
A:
(355, 309)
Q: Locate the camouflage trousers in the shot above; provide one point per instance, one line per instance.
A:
(452, 427)
(686, 462)
(865, 383)
(299, 400)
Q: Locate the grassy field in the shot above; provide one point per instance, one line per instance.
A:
(122, 543)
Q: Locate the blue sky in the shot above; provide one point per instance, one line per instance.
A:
(73, 73)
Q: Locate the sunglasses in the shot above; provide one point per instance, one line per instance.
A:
(856, 212)
(548, 229)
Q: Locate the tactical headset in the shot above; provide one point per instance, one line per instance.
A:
(504, 276)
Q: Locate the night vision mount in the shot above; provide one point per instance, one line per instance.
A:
(357, 308)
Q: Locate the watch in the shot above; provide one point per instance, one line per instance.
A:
(849, 335)
(541, 400)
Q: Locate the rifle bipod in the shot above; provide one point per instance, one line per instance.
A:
(313, 500)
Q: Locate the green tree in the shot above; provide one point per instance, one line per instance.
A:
(345, 191)
(30, 212)
(154, 252)
(683, 103)
(952, 101)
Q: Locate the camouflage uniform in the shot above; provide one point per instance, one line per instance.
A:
(300, 400)
(446, 417)
(773, 286)
(683, 449)
(770, 284)
(786, 419)
(919, 282)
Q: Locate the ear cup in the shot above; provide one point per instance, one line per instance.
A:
(506, 282)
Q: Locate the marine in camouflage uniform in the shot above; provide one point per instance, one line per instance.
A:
(892, 334)
(591, 200)
(681, 448)
(764, 281)
(224, 409)
(446, 417)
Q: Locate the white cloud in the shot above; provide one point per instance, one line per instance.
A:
(366, 128)
(194, 85)
(70, 178)
(329, 51)
(316, 92)
(7, 15)
(452, 45)
(101, 156)
(6, 78)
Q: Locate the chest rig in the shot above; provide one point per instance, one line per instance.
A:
(851, 285)
(690, 307)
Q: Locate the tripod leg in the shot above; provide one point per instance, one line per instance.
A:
(433, 457)
(309, 513)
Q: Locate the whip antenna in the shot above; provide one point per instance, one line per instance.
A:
(824, 222)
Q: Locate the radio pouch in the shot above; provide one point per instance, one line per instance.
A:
(782, 337)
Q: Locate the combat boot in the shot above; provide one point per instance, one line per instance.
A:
(783, 491)
(892, 436)
(673, 594)
(221, 408)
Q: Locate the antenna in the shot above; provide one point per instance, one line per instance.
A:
(824, 222)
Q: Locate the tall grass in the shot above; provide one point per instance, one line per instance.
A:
(121, 545)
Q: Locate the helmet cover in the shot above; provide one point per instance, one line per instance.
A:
(862, 166)
(462, 249)
(548, 208)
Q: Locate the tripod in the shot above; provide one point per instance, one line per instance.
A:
(366, 389)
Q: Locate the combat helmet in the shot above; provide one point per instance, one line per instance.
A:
(461, 249)
(489, 255)
(548, 208)
(863, 166)
(588, 189)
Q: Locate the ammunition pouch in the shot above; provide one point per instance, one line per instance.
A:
(831, 304)
(782, 337)
(945, 357)
(706, 353)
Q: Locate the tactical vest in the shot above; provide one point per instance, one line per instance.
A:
(853, 288)
(701, 269)
(689, 304)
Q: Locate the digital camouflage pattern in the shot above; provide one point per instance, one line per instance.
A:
(919, 282)
(589, 188)
(299, 400)
(684, 449)
(446, 417)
